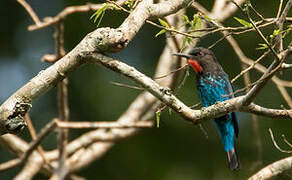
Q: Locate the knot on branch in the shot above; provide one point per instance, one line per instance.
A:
(15, 125)
(13, 121)
(107, 40)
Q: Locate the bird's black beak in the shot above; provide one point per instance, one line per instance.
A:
(181, 55)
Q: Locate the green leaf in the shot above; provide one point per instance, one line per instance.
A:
(183, 44)
(185, 41)
(115, 7)
(157, 118)
(199, 23)
(160, 32)
(100, 19)
(208, 18)
(99, 13)
(186, 19)
(195, 20)
(130, 3)
(193, 23)
(276, 32)
(163, 23)
(243, 22)
(262, 46)
(96, 15)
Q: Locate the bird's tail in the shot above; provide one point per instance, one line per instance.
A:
(233, 160)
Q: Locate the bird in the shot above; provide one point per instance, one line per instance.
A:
(213, 86)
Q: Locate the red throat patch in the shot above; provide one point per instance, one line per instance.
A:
(195, 65)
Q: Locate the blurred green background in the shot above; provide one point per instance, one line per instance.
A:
(175, 151)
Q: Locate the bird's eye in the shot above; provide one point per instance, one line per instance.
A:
(198, 53)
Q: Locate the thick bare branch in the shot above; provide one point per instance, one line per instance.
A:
(273, 169)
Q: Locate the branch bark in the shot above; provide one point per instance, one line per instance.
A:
(273, 169)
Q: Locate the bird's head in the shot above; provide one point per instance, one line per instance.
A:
(201, 60)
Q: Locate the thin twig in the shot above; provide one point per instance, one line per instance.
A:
(286, 141)
(262, 36)
(63, 107)
(136, 3)
(67, 11)
(118, 5)
(275, 144)
(172, 30)
(260, 82)
(171, 72)
(9, 164)
(284, 13)
(279, 10)
(198, 105)
(280, 23)
(257, 13)
(95, 125)
(30, 11)
(126, 85)
(205, 133)
(44, 132)
(34, 137)
(157, 25)
(250, 67)
(248, 86)
(182, 83)
(255, 124)
(239, 29)
(219, 40)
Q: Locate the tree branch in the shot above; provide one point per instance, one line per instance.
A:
(273, 169)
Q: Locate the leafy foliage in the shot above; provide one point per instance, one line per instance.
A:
(130, 4)
(243, 22)
(101, 12)
(194, 24)
(164, 24)
(271, 38)
(262, 46)
(162, 31)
